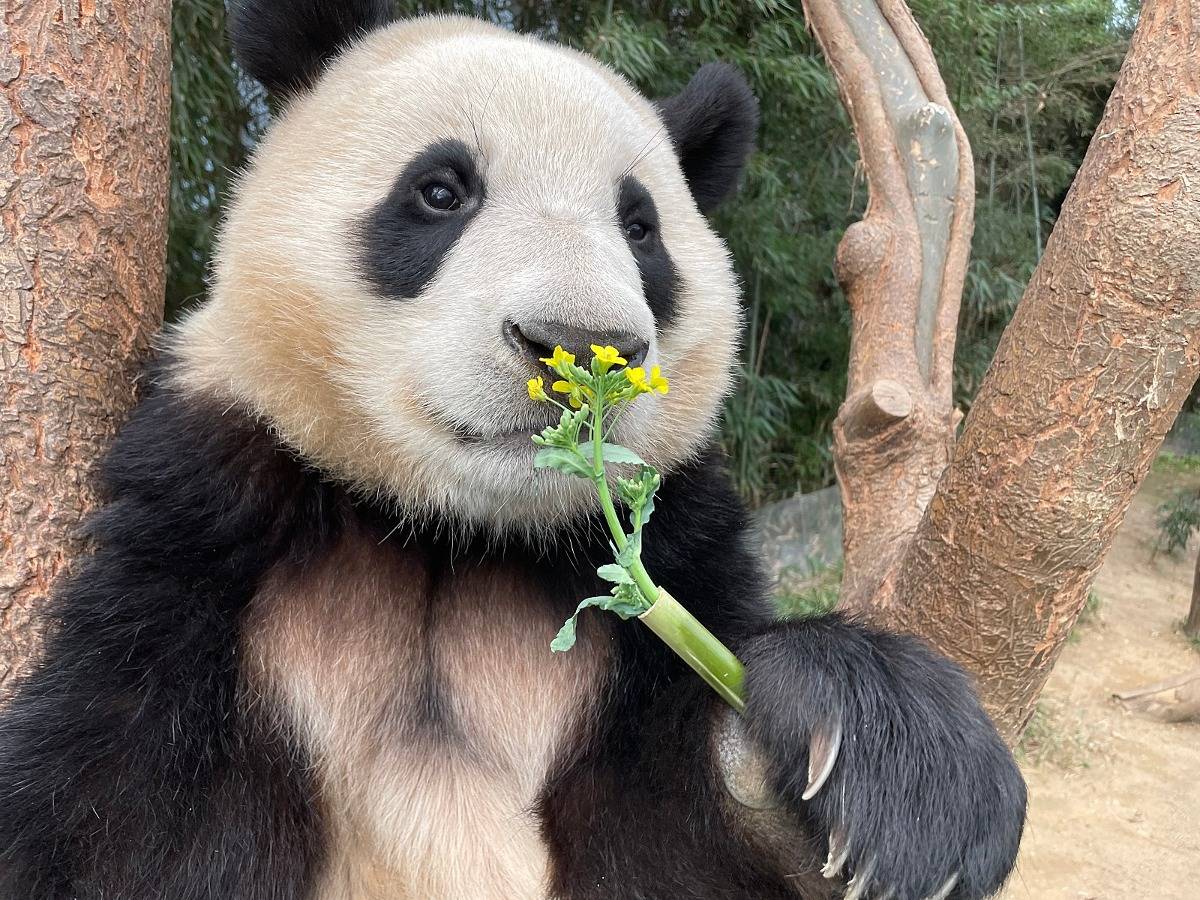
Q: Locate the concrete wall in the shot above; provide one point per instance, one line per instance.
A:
(801, 535)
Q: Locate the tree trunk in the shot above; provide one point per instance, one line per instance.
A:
(83, 195)
(1191, 625)
(1100, 356)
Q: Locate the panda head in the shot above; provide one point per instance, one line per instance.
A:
(437, 205)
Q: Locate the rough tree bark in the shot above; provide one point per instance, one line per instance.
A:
(1092, 371)
(83, 193)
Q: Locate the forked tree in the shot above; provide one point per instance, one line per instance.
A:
(985, 545)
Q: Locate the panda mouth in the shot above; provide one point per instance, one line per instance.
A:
(514, 437)
(517, 438)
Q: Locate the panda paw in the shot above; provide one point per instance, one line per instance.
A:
(882, 745)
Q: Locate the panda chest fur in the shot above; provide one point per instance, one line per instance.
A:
(433, 709)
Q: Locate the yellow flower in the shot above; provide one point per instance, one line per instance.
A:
(575, 393)
(607, 357)
(657, 382)
(560, 358)
(537, 389)
(637, 377)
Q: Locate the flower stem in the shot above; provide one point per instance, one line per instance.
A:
(644, 582)
(665, 616)
(698, 647)
(606, 502)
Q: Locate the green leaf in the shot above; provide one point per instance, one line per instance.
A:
(563, 460)
(638, 494)
(644, 512)
(626, 609)
(633, 549)
(615, 453)
(651, 481)
(565, 639)
(614, 573)
(627, 601)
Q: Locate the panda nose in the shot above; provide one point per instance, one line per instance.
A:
(536, 339)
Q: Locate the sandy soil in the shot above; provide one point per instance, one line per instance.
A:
(1115, 799)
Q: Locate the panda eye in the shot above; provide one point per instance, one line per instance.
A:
(636, 231)
(438, 196)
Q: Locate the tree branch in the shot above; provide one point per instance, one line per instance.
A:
(1174, 700)
(902, 269)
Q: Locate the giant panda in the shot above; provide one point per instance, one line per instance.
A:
(308, 654)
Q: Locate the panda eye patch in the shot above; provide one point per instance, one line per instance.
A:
(440, 197)
(637, 217)
(406, 235)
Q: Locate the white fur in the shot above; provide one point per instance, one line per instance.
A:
(342, 649)
(368, 388)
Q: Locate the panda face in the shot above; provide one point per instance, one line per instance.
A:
(443, 207)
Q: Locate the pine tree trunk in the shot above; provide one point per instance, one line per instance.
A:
(83, 195)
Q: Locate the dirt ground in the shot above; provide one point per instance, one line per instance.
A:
(1115, 799)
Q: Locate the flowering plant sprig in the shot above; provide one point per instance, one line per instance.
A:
(595, 399)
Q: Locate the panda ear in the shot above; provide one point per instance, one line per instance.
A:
(285, 44)
(712, 123)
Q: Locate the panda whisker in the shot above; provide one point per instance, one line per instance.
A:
(482, 112)
(652, 144)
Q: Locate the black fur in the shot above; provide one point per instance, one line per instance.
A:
(654, 262)
(128, 768)
(132, 765)
(287, 45)
(403, 240)
(712, 123)
(923, 785)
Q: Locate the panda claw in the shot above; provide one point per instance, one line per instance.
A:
(839, 849)
(858, 885)
(946, 888)
(822, 754)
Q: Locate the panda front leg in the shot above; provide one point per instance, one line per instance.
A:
(883, 744)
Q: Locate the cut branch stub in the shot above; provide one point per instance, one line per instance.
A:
(880, 406)
(902, 269)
